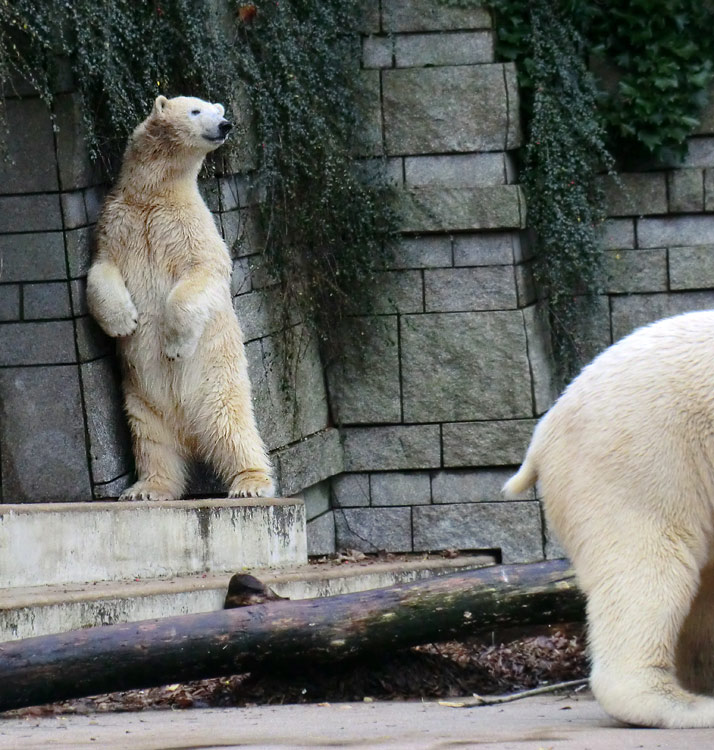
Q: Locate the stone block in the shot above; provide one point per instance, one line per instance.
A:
(30, 213)
(485, 248)
(709, 189)
(700, 152)
(401, 488)
(369, 103)
(79, 250)
(392, 448)
(350, 490)
(46, 301)
(31, 165)
(47, 343)
(109, 442)
(377, 51)
(321, 535)
(591, 329)
(553, 548)
(514, 132)
(394, 292)
(513, 527)
(464, 366)
(78, 293)
(675, 230)
(9, 302)
(456, 170)
(691, 267)
(364, 385)
(637, 193)
(76, 169)
(426, 15)
(316, 499)
(473, 486)
(459, 48)
(242, 232)
(42, 441)
(74, 210)
(112, 489)
(497, 443)
(540, 356)
(618, 234)
(630, 271)
(288, 386)
(258, 313)
(241, 276)
(460, 108)
(369, 16)
(312, 460)
(92, 342)
(32, 257)
(423, 252)
(636, 310)
(686, 190)
(374, 529)
(438, 209)
(525, 284)
(469, 289)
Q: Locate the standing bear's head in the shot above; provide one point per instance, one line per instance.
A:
(183, 124)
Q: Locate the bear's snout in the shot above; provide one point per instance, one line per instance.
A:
(224, 127)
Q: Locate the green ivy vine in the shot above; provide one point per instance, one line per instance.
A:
(654, 68)
(328, 224)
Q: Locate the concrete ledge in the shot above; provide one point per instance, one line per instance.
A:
(42, 610)
(57, 543)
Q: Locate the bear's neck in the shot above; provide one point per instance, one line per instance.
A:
(169, 175)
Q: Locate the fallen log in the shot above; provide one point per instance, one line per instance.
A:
(189, 647)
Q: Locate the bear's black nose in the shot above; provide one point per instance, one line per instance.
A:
(224, 127)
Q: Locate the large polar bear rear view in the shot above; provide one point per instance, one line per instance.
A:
(625, 460)
(161, 283)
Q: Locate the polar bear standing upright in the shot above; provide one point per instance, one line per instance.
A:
(160, 283)
(625, 461)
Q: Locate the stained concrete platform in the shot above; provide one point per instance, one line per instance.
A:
(42, 610)
(540, 723)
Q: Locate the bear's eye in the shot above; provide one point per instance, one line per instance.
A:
(195, 111)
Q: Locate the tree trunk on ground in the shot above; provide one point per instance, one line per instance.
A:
(189, 647)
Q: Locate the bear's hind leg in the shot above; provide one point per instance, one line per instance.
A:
(640, 591)
(160, 467)
(695, 648)
(229, 438)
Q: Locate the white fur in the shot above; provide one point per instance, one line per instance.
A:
(161, 282)
(625, 461)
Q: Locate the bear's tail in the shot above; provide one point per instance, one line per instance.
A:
(523, 480)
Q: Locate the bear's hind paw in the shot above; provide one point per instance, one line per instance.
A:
(252, 483)
(143, 490)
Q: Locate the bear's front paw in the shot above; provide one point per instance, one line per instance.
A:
(180, 345)
(252, 483)
(121, 323)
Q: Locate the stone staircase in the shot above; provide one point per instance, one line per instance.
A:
(65, 566)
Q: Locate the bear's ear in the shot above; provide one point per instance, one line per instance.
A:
(160, 104)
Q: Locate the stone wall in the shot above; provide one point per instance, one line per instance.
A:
(443, 386)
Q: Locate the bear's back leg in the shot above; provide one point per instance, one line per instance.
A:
(695, 647)
(160, 465)
(221, 413)
(641, 580)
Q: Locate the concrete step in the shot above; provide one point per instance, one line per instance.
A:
(42, 610)
(59, 543)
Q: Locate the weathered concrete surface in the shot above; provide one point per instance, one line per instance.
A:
(42, 610)
(552, 722)
(103, 541)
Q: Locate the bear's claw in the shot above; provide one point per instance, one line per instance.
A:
(252, 483)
